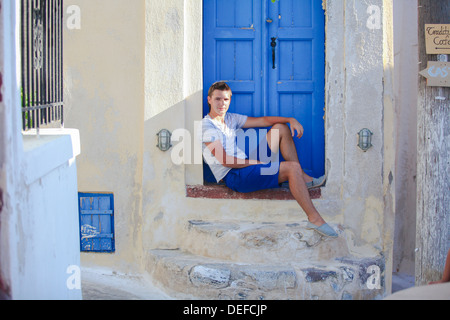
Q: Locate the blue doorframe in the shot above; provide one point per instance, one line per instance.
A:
(237, 49)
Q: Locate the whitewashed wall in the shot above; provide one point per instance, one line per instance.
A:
(406, 82)
(39, 234)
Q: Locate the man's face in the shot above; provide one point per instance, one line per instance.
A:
(220, 102)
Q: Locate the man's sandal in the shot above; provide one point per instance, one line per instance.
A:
(317, 182)
(324, 230)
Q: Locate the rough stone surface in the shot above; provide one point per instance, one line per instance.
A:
(242, 260)
(259, 242)
(363, 265)
(223, 192)
(315, 275)
(184, 275)
(213, 276)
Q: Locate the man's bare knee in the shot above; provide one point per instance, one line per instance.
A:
(277, 130)
(282, 129)
(276, 134)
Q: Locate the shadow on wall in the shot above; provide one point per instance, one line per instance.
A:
(164, 173)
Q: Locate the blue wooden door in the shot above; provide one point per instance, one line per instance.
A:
(96, 222)
(272, 55)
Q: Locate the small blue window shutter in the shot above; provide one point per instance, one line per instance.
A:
(96, 222)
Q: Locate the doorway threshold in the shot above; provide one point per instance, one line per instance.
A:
(219, 191)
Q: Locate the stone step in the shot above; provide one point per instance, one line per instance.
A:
(186, 276)
(260, 242)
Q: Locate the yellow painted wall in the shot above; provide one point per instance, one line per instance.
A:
(104, 64)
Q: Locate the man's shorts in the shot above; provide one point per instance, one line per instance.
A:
(254, 178)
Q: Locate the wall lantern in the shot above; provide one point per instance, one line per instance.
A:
(365, 139)
(164, 140)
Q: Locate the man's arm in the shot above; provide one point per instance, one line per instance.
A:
(270, 121)
(226, 160)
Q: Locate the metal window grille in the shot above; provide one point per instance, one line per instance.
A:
(42, 63)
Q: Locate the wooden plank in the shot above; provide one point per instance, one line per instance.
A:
(433, 152)
(437, 74)
(295, 34)
(242, 86)
(234, 34)
(97, 212)
(295, 86)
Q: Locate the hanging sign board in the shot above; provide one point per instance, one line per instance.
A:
(437, 74)
(437, 37)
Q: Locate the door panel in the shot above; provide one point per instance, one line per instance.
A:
(232, 51)
(294, 56)
(296, 85)
(296, 13)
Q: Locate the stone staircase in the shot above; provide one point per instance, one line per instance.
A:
(263, 260)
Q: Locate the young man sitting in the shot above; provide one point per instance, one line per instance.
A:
(230, 164)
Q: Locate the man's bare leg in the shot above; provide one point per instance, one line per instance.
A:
(291, 171)
(284, 143)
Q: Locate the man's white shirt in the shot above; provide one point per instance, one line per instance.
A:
(213, 130)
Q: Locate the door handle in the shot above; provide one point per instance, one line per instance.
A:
(274, 45)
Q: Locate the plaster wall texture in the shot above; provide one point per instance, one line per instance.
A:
(39, 241)
(104, 96)
(406, 79)
(48, 243)
(38, 210)
(157, 84)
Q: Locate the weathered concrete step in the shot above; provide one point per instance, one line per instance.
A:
(259, 242)
(186, 276)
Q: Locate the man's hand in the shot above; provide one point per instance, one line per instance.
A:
(296, 126)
